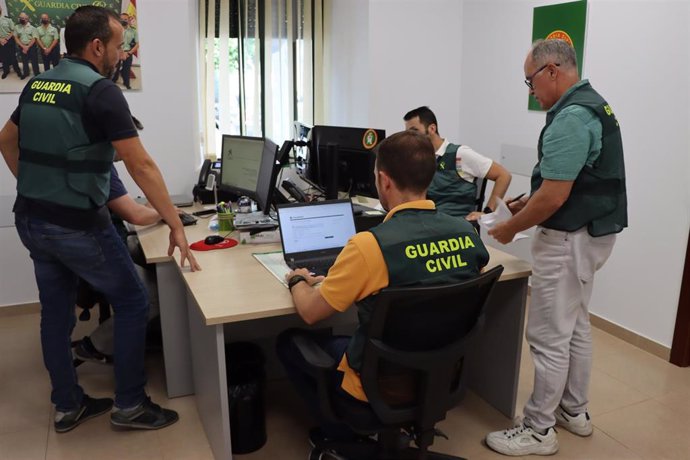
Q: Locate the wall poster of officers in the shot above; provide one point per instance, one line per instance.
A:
(32, 40)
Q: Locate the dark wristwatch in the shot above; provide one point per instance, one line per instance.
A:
(487, 210)
(294, 280)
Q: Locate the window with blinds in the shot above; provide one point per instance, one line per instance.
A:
(257, 59)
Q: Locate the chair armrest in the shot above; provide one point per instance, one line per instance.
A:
(314, 354)
(321, 367)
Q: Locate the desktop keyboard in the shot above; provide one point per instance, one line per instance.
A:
(187, 219)
(254, 220)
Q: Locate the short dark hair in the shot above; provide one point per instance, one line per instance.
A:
(86, 24)
(409, 159)
(426, 116)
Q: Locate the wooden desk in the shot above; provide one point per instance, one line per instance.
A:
(233, 287)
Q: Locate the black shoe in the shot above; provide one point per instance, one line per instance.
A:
(146, 416)
(317, 437)
(86, 351)
(4, 75)
(90, 407)
(22, 76)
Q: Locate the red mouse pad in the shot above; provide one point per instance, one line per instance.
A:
(201, 246)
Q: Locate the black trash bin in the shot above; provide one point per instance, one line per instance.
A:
(246, 382)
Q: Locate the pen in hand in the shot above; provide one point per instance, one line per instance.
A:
(515, 199)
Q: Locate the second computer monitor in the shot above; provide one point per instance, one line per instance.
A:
(248, 168)
(342, 159)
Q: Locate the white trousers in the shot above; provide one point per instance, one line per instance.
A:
(558, 328)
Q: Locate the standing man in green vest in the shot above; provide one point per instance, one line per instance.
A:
(454, 188)
(578, 202)
(48, 39)
(129, 48)
(8, 50)
(60, 143)
(25, 35)
(394, 253)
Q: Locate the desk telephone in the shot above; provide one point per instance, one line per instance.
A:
(294, 191)
(208, 169)
(209, 178)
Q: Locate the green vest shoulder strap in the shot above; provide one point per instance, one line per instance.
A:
(598, 198)
(452, 194)
(420, 247)
(66, 168)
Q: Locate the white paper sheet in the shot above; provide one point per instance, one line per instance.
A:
(274, 263)
(501, 214)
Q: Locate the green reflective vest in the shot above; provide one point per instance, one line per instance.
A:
(57, 161)
(597, 199)
(451, 193)
(420, 247)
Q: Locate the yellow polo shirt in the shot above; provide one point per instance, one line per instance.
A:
(359, 271)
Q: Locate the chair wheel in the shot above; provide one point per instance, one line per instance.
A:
(319, 454)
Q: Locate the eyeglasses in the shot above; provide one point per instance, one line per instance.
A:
(528, 80)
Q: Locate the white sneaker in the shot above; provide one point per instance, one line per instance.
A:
(580, 424)
(523, 440)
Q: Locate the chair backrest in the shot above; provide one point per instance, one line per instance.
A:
(412, 368)
(481, 191)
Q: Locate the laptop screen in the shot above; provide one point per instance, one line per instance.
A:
(316, 226)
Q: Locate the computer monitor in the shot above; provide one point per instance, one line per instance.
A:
(268, 173)
(341, 159)
(249, 168)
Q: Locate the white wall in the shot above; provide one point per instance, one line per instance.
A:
(385, 62)
(167, 106)
(347, 64)
(415, 60)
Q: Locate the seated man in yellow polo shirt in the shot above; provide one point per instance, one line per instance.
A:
(415, 245)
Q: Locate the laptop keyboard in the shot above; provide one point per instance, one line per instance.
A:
(318, 267)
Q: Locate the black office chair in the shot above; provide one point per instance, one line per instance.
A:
(479, 199)
(412, 369)
(481, 191)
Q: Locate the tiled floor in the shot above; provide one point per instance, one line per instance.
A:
(640, 406)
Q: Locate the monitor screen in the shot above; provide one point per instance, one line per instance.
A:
(249, 168)
(268, 171)
(241, 161)
(341, 159)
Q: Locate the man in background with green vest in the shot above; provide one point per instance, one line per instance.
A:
(48, 39)
(578, 202)
(454, 188)
(8, 50)
(60, 143)
(395, 253)
(25, 37)
(128, 49)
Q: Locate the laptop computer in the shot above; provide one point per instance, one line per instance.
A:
(313, 234)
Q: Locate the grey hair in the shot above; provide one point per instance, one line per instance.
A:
(554, 50)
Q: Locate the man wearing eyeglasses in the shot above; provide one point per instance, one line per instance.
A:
(578, 203)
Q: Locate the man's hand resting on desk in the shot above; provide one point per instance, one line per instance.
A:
(308, 277)
(179, 239)
(309, 303)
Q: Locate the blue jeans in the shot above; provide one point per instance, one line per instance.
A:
(62, 255)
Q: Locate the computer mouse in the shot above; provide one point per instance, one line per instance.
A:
(214, 239)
